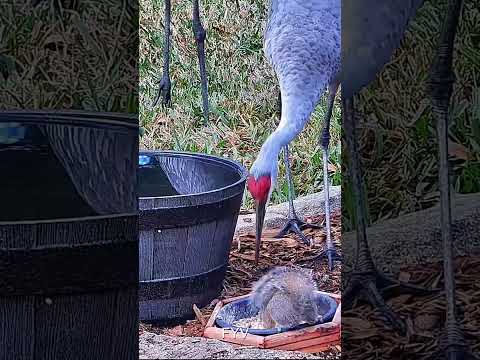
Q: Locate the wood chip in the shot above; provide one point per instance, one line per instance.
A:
(199, 315)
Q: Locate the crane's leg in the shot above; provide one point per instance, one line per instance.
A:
(330, 252)
(200, 35)
(294, 224)
(165, 86)
(365, 279)
(452, 344)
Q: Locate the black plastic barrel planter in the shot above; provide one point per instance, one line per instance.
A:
(189, 206)
(68, 236)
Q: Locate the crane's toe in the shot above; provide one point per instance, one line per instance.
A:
(366, 285)
(375, 298)
(452, 344)
(296, 226)
(332, 255)
(164, 92)
(374, 288)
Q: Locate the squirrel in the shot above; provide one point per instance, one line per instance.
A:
(285, 297)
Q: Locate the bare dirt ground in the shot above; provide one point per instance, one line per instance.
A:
(242, 273)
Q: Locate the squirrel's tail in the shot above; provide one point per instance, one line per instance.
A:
(266, 287)
(274, 282)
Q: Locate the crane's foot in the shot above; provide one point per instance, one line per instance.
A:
(164, 92)
(331, 255)
(373, 287)
(452, 345)
(295, 226)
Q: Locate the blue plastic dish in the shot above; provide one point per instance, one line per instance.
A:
(241, 309)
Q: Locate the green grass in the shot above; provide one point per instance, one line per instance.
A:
(242, 91)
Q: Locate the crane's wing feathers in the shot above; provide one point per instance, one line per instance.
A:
(302, 44)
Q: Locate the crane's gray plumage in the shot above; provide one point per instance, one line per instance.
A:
(371, 31)
(302, 44)
(302, 37)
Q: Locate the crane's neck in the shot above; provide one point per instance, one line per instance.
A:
(272, 146)
(295, 115)
(293, 119)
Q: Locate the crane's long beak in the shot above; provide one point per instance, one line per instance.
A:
(260, 210)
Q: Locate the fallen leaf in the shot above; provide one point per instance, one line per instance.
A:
(426, 322)
(459, 151)
(404, 276)
(331, 167)
(400, 300)
(290, 243)
(244, 257)
(362, 334)
(199, 315)
(270, 233)
(358, 324)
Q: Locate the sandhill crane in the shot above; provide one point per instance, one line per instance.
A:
(164, 90)
(299, 47)
(302, 43)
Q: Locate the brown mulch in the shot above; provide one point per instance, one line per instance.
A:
(366, 334)
(243, 272)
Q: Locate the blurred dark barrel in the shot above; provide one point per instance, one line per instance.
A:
(189, 205)
(68, 236)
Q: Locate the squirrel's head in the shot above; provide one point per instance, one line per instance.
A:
(309, 305)
(308, 296)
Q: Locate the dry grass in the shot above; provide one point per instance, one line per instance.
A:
(77, 56)
(398, 139)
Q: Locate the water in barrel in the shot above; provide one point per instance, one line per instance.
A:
(152, 179)
(34, 185)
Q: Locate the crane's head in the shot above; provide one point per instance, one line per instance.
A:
(260, 184)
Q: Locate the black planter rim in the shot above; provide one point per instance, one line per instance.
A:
(234, 165)
(71, 117)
